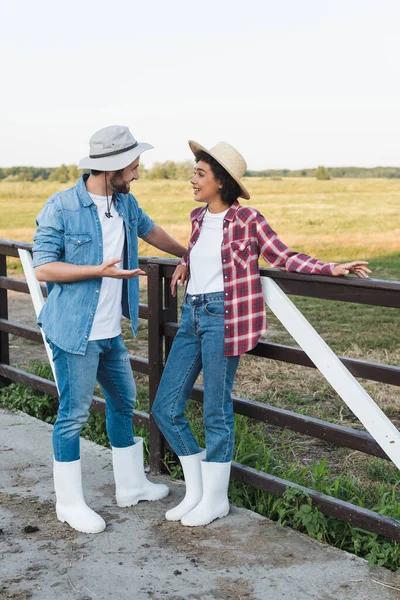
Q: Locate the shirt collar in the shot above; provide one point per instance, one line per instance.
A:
(82, 191)
(230, 215)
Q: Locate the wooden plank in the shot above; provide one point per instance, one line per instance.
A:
(46, 386)
(339, 509)
(348, 388)
(36, 297)
(343, 289)
(155, 352)
(24, 331)
(328, 432)
(18, 285)
(4, 336)
(359, 368)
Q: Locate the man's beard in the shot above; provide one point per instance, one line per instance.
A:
(118, 185)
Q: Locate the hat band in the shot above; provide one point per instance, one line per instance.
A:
(114, 152)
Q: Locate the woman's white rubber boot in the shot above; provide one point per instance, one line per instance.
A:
(214, 503)
(71, 507)
(131, 483)
(191, 466)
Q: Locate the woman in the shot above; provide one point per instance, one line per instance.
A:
(223, 316)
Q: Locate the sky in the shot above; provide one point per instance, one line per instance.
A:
(289, 83)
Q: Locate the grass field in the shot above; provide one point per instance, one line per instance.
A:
(339, 219)
(334, 220)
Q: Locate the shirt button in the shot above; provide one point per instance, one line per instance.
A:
(79, 241)
(99, 244)
(86, 336)
(226, 276)
(227, 311)
(97, 291)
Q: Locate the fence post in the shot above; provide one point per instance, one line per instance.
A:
(170, 311)
(4, 337)
(155, 352)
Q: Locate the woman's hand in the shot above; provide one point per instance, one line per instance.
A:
(179, 276)
(357, 267)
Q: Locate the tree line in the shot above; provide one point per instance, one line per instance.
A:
(184, 170)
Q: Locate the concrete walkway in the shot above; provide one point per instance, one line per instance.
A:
(140, 556)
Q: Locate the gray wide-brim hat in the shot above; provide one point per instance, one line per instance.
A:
(112, 148)
(229, 158)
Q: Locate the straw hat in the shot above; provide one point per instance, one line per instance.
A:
(229, 158)
(112, 148)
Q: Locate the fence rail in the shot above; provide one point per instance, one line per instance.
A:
(162, 315)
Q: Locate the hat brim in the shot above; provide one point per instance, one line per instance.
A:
(195, 147)
(116, 162)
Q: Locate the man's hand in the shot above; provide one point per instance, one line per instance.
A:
(179, 276)
(357, 267)
(108, 269)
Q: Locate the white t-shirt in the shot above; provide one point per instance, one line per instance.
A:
(107, 320)
(205, 256)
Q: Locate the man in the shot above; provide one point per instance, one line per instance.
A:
(86, 249)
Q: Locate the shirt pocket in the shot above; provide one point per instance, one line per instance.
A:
(77, 248)
(241, 253)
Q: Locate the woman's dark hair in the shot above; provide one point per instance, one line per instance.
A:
(230, 189)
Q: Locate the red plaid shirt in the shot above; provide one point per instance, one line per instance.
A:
(246, 235)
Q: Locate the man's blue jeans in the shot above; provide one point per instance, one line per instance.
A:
(199, 344)
(107, 362)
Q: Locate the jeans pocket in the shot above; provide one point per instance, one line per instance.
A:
(215, 308)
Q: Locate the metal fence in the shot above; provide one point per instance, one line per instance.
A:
(161, 312)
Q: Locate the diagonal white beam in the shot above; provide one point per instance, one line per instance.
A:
(326, 361)
(36, 296)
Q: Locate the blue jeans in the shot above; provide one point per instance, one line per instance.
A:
(107, 362)
(199, 344)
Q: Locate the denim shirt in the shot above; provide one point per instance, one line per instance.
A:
(69, 230)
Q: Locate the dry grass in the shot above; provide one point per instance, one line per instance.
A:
(336, 220)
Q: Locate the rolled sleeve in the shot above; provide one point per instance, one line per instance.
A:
(48, 243)
(184, 260)
(145, 224)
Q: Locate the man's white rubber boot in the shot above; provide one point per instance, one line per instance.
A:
(131, 483)
(71, 507)
(214, 503)
(191, 466)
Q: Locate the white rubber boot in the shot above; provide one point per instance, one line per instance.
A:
(191, 466)
(131, 483)
(71, 507)
(214, 503)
